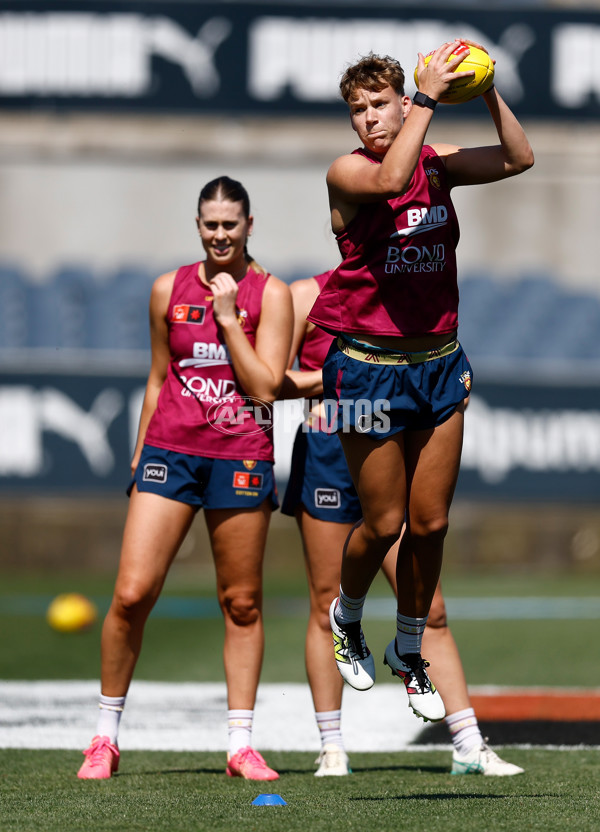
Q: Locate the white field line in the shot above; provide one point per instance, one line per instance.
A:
(192, 717)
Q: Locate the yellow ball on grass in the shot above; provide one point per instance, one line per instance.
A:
(71, 613)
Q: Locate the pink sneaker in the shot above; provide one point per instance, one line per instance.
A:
(250, 765)
(102, 760)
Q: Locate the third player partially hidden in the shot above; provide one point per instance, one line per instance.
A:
(392, 304)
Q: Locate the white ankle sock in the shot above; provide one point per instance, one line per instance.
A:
(111, 711)
(329, 725)
(464, 730)
(349, 609)
(239, 728)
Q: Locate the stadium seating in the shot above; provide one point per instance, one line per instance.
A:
(529, 317)
(14, 332)
(119, 310)
(58, 309)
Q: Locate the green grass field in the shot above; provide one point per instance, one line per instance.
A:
(535, 652)
(168, 791)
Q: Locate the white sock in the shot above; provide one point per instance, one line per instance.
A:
(349, 609)
(239, 727)
(111, 711)
(409, 633)
(464, 730)
(329, 725)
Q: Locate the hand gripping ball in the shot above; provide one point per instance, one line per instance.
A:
(464, 89)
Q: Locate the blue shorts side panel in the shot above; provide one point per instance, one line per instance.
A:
(203, 482)
(320, 480)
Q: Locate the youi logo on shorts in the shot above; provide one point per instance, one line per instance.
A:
(153, 472)
(327, 498)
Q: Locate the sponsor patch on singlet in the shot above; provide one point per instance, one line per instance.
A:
(183, 313)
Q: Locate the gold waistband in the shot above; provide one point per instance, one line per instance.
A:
(390, 357)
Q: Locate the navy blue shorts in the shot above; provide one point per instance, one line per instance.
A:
(203, 482)
(380, 399)
(320, 480)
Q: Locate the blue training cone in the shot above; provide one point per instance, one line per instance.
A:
(269, 800)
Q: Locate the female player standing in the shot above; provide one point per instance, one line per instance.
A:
(396, 370)
(220, 335)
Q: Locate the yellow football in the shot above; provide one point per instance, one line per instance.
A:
(71, 613)
(464, 89)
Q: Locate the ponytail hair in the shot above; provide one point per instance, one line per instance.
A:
(225, 189)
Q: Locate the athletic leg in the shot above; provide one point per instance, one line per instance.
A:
(322, 544)
(377, 468)
(238, 539)
(432, 464)
(440, 650)
(154, 531)
(471, 754)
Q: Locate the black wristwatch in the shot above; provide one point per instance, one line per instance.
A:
(422, 100)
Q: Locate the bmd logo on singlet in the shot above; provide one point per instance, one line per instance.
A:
(207, 354)
(414, 258)
(154, 472)
(327, 498)
(420, 220)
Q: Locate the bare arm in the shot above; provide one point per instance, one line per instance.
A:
(159, 341)
(259, 370)
(296, 383)
(478, 165)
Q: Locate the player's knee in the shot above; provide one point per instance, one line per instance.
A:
(385, 529)
(241, 609)
(429, 527)
(437, 619)
(132, 600)
(321, 615)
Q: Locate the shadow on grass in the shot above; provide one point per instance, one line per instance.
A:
(408, 769)
(412, 769)
(452, 796)
(169, 771)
